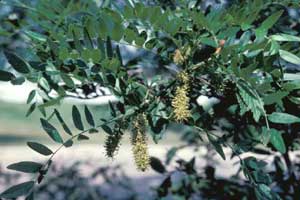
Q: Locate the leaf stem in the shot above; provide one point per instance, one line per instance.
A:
(47, 163)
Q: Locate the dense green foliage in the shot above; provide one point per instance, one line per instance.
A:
(238, 56)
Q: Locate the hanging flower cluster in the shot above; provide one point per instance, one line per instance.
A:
(178, 57)
(112, 144)
(139, 143)
(180, 102)
(181, 55)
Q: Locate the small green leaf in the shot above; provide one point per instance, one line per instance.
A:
(35, 36)
(289, 57)
(51, 131)
(89, 116)
(93, 130)
(249, 99)
(157, 165)
(18, 81)
(277, 141)
(285, 38)
(251, 162)
(82, 137)
(18, 190)
(271, 20)
(62, 122)
(6, 76)
(26, 167)
(51, 102)
(265, 136)
(31, 96)
(77, 118)
(40, 148)
(68, 81)
(16, 62)
(275, 97)
(31, 109)
(44, 84)
(275, 47)
(107, 129)
(118, 32)
(68, 143)
(217, 146)
(263, 192)
(209, 42)
(283, 118)
(171, 154)
(267, 24)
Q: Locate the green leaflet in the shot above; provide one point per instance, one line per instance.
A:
(216, 145)
(35, 36)
(26, 167)
(274, 97)
(283, 118)
(40, 148)
(77, 118)
(18, 190)
(271, 20)
(249, 100)
(31, 96)
(51, 131)
(243, 106)
(31, 109)
(289, 57)
(277, 140)
(6, 76)
(89, 116)
(62, 122)
(285, 38)
(267, 24)
(263, 192)
(17, 62)
(157, 165)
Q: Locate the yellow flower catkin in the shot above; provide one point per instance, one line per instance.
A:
(181, 55)
(139, 143)
(180, 102)
(184, 78)
(178, 57)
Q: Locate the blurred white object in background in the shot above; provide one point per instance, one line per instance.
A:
(206, 102)
(19, 94)
(15, 93)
